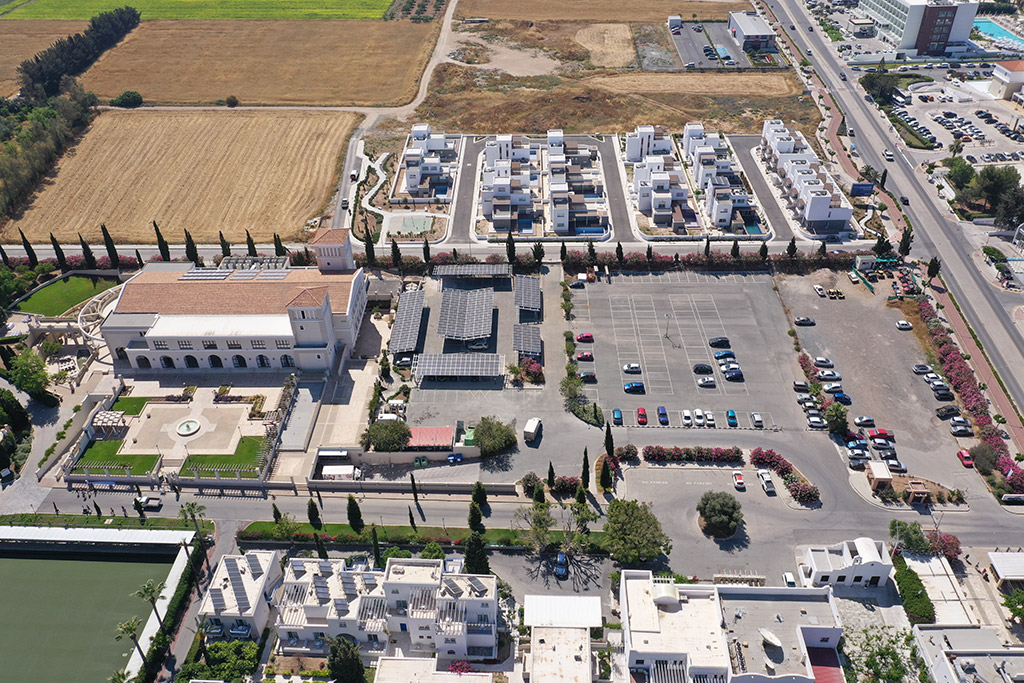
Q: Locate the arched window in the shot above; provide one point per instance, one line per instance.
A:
(216, 362)
(144, 363)
(120, 353)
(262, 361)
(166, 362)
(287, 361)
(191, 361)
(238, 361)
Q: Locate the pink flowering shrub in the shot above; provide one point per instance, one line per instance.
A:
(566, 485)
(693, 454)
(946, 545)
(460, 667)
(766, 458)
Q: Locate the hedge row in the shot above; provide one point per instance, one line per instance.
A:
(732, 454)
(802, 490)
(576, 261)
(916, 603)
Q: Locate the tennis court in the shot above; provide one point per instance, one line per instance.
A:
(60, 615)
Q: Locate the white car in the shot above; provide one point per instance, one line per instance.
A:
(698, 417)
(829, 375)
(709, 419)
(632, 368)
(729, 366)
(903, 325)
(756, 420)
(687, 419)
(958, 420)
(823, 362)
(815, 422)
(765, 477)
(819, 290)
(833, 388)
(864, 421)
(932, 377)
(477, 345)
(706, 382)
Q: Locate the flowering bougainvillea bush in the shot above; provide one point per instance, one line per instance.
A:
(693, 454)
(802, 490)
(566, 485)
(962, 379)
(766, 458)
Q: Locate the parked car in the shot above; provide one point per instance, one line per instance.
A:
(709, 419)
(703, 369)
(587, 375)
(584, 337)
(641, 416)
(662, 415)
(634, 388)
(896, 466)
(946, 411)
(477, 345)
(632, 368)
(829, 376)
(881, 434)
(734, 375)
(903, 325)
(757, 420)
(687, 417)
(577, 284)
(719, 343)
(815, 422)
(561, 567)
(840, 397)
(962, 421)
(706, 382)
(730, 418)
(960, 430)
(719, 355)
(765, 477)
(857, 444)
(823, 362)
(803, 321)
(965, 458)
(944, 395)
(864, 421)
(726, 367)
(737, 480)
(616, 416)
(819, 290)
(800, 386)
(698, 417)
(833, 388)
(584, 355)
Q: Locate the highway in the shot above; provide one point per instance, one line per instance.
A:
(936, 232)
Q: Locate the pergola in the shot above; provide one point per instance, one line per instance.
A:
(109, 422)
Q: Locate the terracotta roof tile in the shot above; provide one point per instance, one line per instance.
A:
(330, 236)
(1013, 65)
(314, 296)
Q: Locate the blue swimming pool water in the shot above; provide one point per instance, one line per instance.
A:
(991, 28)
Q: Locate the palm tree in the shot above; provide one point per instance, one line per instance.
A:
(193, 511)
(130, 629)
(151, 592)
(118, 677)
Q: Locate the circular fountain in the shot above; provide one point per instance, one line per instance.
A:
(188, 427)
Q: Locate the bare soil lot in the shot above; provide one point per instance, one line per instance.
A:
(19, 40)
(201, 171)
(609, 44)
(375, 63)
(770, 84)
(598, 10)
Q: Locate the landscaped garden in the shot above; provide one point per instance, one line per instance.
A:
(246, 456)
(131, 405)
(105, 454)
(62, 295)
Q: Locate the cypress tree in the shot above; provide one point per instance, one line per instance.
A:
(138, 257)
(480, 494)
(5, 257)
(396, 256)
(191, 252)
(735, 249)
(249, 244)
(510, 247)
(279, 249)
(763, 251)
(426, 251)
(415, 493)
(650, 253)
(58, 253)
(161, 243)
(377, 562)
(606, 476)
(476, 555)
(225, 246)
(585, 478)
(551, 475)
(321, 549)
(313, 512)
(108, 242)
(412, 519)
(30, 253)
(87, 255)
(475, 516)
(619, 255)
(277, 513)
(563, 253)
(355, 515)
(455, 254)
(707, 248)
(609, 441)
(581, 494)
(822, 250)
(371, 257)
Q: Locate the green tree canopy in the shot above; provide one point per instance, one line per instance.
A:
(344, 662)
(993, 182)
(721, 513)
(494, 436)
(633, 533)
(28, 372)
(387, 435)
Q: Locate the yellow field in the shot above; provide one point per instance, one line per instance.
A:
(19, 40)
(599, 10)
(610, 45)
(375, 63)
(204, 171)
(775, 84)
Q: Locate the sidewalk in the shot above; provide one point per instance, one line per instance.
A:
(1001, 403)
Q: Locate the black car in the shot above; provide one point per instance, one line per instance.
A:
(947, 411)
(803, 321)
(904, 201)
(719, 342)
(702, 369)
(944, 395)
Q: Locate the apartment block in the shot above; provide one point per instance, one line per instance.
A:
(647, 141)
(722, 633)
(429, 164)
(415, 607)
(237, 604)
(511, 182)
(559, 649)
(922, 27)
(577, 202)
(811, 195)
(954, 654)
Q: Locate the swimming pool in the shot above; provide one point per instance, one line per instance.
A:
(994, 30)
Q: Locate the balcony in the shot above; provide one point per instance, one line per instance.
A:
(479, 629)
(240, 631)
(480, 652)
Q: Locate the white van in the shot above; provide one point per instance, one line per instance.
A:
(532, 429)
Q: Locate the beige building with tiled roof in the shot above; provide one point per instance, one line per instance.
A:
(174, 315)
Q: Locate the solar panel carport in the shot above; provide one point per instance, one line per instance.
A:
(406, 332)
(526, 339)
(457, 365)
(474, 269)
(466, 313)
(527, 293)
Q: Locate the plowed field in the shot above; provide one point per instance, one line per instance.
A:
(599, 10)
(19, 40)
(371, 63)
(204, 171)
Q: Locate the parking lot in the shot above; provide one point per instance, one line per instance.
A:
(877, 372)
(690, 44)
(663, 321)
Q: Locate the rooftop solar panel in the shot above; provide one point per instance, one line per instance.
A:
(458, 365)
(527, 293)
(469, 269)
(406, 331)
(466, 313)
(526, 339)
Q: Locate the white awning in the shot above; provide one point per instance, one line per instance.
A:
(573, 611)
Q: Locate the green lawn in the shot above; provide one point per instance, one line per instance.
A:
(59, 296)
(60, 615)
(132, 521)
(105, 453)
(131, 405)
(247, 454)
(208, 9)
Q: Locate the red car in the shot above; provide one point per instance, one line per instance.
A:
(965, 458)
(584, 355)
(881, 434)
(641, 416)
(584, 337)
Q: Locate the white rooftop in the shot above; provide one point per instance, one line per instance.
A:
(664, 617)
(238, 583)
(561, 654)
(573, 611)
(186, 326)
(421, 670)
(1008, 566)
(94, 535)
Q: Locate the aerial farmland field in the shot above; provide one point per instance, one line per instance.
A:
(19, 40)
(299, 62)
(598, 10)
(265, 171)
(206, 9)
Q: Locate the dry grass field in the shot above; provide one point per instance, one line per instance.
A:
(370, 63)
(775, 84)
(599, 10)
(264, 171)
(19, 40)
(610, 45)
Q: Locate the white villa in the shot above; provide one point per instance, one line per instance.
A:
(237, 604)
(427, 163)
(262, 315)
(714, 170)
(860, 562)
(414, 607)
(647, 141)
(511, 181)
(659, 187)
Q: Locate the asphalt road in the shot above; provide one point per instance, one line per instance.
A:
(742, 144)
